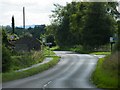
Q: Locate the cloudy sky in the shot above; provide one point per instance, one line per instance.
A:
(37, 11)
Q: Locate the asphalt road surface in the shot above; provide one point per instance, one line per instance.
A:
(72, 71)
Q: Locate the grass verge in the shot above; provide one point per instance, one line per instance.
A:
(106, 72)
(101, 53)
(25, 59)
(76, 48)
(18, 75)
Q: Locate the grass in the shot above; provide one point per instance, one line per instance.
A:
(80, 49)
(106, 74)
(76, 48)
(54, 48)
(27, 59)
(101, 53)
(17, 75)
(48, 52)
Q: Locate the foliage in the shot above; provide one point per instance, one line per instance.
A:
(50, 39)
(101, 53)
(17, 75)
(13, 37)
(75, 48)
(6, 53)
(117, 46)
(106, 74)
(4, 38)
(67, 24)
(113, 10)
(25, 59)
(82, 23)
(102, 27)
(20, 60)
(6, 59)
(37, 31)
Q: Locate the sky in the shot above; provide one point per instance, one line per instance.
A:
(36, 11)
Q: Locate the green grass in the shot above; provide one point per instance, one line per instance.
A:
(26, 59)
(101, 53)
(17, 75)
(54, 48)
(75, 48)
(48, 52)
(106, 72)
(23, 60)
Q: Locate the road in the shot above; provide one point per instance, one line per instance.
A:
(72, 71)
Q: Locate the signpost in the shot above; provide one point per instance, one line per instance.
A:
(43, 41)
(111, 42)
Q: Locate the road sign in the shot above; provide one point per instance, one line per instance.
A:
(43, 40)
(48, 44)
(111, 39)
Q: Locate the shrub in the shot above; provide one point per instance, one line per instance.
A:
(26, 59)
(79, 49)
(6, 59)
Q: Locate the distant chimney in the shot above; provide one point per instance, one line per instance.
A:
(24, 17)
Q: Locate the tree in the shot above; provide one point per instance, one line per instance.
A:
(117, 46)
(50, 39)
(6, 59)
(113, 10)
(61, 20)
(4, 39)
(99, 26)
(88, 24)
(13, 24)
(70, 21)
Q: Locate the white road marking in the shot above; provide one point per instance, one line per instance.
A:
(45, 85)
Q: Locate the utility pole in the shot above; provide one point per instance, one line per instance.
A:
(24, 17)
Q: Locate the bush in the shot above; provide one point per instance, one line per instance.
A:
(79, 49)
(26, 59)
(6, 59)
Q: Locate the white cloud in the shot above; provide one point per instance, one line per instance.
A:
(37, 11)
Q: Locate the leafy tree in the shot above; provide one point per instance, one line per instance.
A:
(62, 22)
(99, 26)
(88, 24)
(77, 20)
(117, 46)
(69, 21)
(111, 7)
(37, 31)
